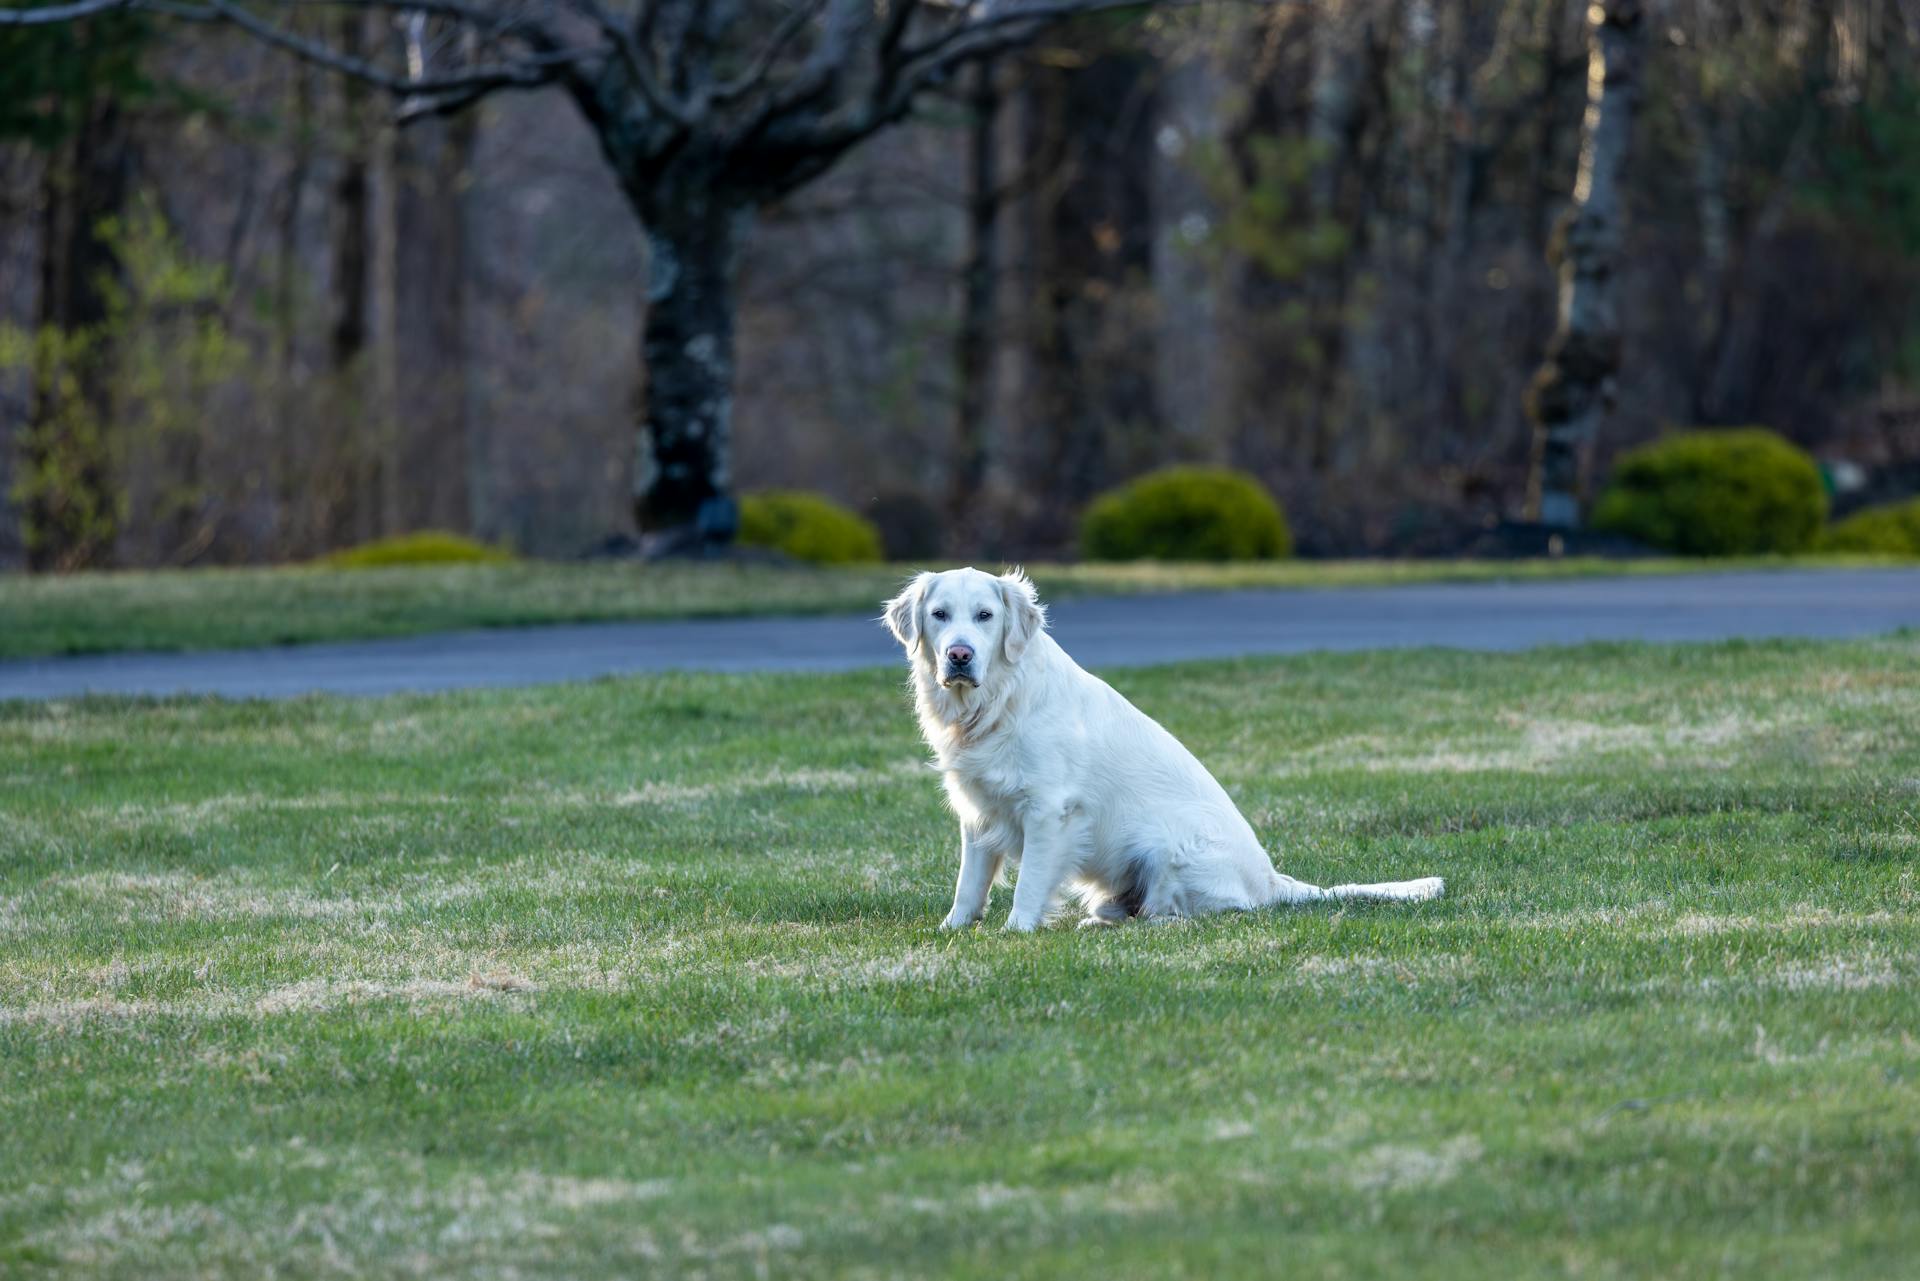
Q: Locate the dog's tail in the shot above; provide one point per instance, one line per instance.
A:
(1286, 890)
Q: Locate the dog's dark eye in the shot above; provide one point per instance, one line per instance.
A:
(940, 615)
(983, 616)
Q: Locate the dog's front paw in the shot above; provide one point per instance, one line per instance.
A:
(955, 921)
(1015, 925)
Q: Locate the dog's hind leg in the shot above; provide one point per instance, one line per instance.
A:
(1120, 891)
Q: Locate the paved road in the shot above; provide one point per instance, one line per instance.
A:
(1113, 631)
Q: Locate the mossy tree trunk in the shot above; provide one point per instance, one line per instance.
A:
(1573, 392)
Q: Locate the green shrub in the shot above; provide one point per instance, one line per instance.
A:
(1735, 492)
(427, 547)
(807, 527)
(1186, 513)
(1893, 530)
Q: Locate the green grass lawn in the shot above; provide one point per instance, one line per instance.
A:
(217, 609)
(641, 978)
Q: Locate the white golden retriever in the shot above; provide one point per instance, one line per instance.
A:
(1047, 766)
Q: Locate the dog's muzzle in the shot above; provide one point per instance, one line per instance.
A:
(956, 666)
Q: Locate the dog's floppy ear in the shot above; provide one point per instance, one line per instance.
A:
(1026, 616)
(902, 615)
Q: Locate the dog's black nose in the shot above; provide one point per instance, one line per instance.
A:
(960, 655)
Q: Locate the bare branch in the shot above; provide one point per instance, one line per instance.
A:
(505, 20)
(420, 107)
(824, 68)
(986, 30)
(421, 94)
(756, 73)
(536, 69)
(60, 12)
(635, 58)
(489, 21)
(899, 18)
(1017, 21)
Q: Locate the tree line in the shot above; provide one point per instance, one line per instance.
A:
(1421, 266)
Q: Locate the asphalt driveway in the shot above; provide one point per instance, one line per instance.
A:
(1104, 632)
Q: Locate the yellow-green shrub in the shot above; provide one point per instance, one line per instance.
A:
(1893, 530)
(1186, 513)
(427, 547)
(807, 527)
(1733, 492)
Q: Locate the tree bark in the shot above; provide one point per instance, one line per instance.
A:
(352, 212)
(974, 348)
(1542, 189)
(348, 500)
(1091, 253)
(1730, 366)
(295, 506)
(1573, 392)
(683, 498)
(73, 503)
(1335, 119)
(430, 181)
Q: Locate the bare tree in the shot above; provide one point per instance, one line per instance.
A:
(706, 111)
(1574, 389)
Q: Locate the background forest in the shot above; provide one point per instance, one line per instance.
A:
(250, 316)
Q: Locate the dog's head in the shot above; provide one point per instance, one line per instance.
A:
(962, 626)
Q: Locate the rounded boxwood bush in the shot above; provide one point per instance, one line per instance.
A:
(426, 547)
(1186, 513)
(807, 527)
(1735, 492)
(1893, 530)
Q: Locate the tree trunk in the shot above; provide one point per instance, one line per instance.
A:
(1266, 400)
(1542, 189)
(352, 212)
(430, 182)
(1574, 389)
(683, 498)
(1342, 40)
(294, 505)
(72, 505)
(979, 276)
(348, 498)
(1096, 402)
(383, 413)
(1730, 368)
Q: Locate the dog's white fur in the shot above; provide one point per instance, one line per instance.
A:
(1048, 767)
